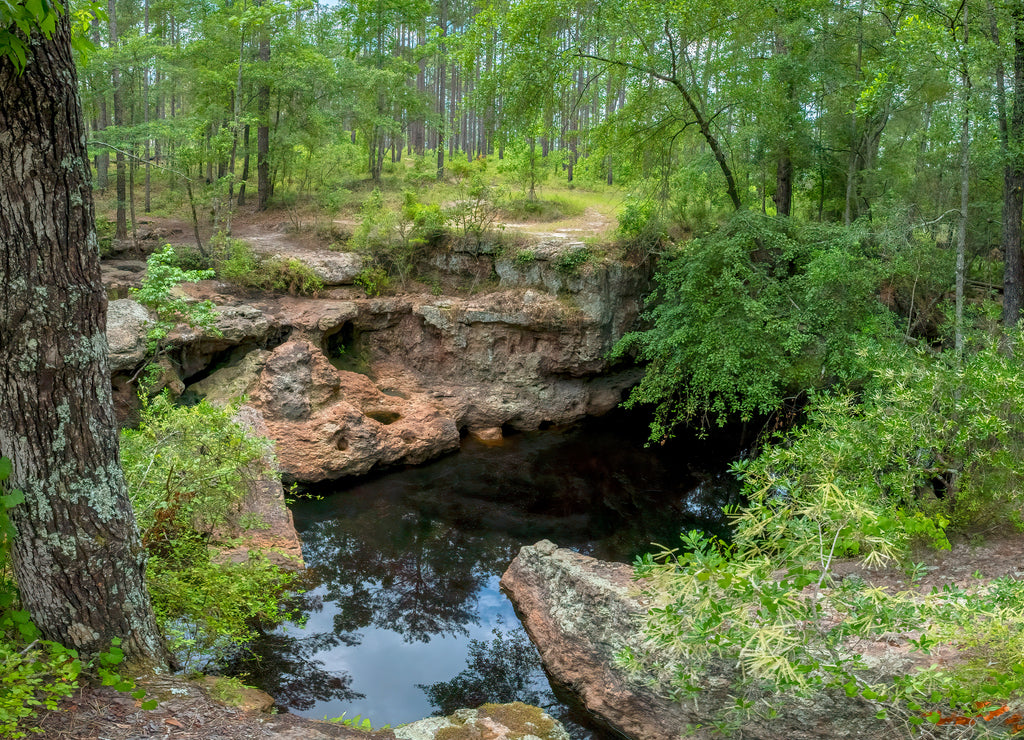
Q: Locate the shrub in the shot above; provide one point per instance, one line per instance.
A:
(475, 211)
(928, 436)
(525, 257)
(186, 470)
(858, 480)
(162, 276)
(757, 312)
(288, 275)
(190, 258)
(395, 240)
(374, 280)
(570, 261)
(641, 226)
(236, 262)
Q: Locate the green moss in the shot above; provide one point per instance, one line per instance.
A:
(459, 732)
(521, 719)
(228, 691)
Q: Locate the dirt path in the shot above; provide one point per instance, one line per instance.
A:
(592, 223)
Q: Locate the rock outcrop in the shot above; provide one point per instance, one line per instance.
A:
(345, 384)
(127, 324)
(516, 721)
(581, 612)
(329, 423)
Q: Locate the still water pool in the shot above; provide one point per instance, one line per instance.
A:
(404, 616)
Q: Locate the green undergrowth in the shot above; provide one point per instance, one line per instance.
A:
(187, 470)
(761, 311)
(359, 722)
(235, 261)
(931, 448)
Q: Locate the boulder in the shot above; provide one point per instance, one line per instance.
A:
(516, 721)
(333, 268)
(581, 612)
(127, 323)
(330, 423)
(242, 324)
(230, 693)
(263, 524)
(121, 276)
(233, 383)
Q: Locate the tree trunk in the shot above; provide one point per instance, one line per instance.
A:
(784, 184)
(1013, 184)
(245, 166)
(77, 556)
(419, 126)
(442, 25)
(103, 120)
(147, 205)
(263, 128)
(122, 218)
(965, 171)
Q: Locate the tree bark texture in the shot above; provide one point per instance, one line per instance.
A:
(77, 556)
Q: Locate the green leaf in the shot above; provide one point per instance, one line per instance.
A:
(11, 499)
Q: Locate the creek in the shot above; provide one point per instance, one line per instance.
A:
(404, 616)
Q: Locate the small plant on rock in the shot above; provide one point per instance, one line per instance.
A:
(162, 277)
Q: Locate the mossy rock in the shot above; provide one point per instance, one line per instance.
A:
(516, 721)
(230, 692)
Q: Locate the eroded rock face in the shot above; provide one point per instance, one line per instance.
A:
(127, 323)
(519, 356)
(580, 612)
(333, 268)
(330, 423)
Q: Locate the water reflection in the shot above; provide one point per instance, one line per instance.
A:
(502, 670)
(406, 610)
(386, 566)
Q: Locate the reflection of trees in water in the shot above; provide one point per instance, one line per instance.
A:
(402, 572)
(505, 669)
(502, 670)
(284, 666)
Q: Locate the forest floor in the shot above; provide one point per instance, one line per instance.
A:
(569, 215)
(185, 711)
